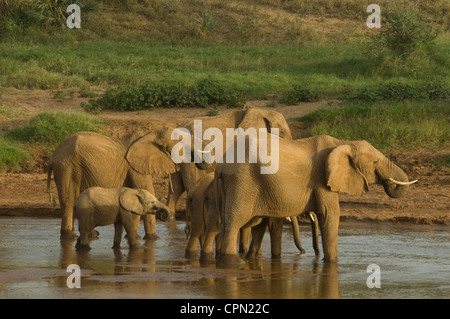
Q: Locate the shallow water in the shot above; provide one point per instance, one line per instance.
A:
(414, 262)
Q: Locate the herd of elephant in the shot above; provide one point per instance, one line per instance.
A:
(109, 181)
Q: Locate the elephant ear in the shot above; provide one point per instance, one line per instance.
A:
(254, 117)
(342, 174)
(130, 200)
(149, 155)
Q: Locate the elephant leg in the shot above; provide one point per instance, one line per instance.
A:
(212, 233)
(118, 230)
(207, 247)
(315, 232)
(83, 241)
(328, 214)
(130, 227)
(218, 242)
(66, 203)
(149, 221)
(176, 188)
(191, 247)
(275, 230)
(258, 232)
(244, 239)
(228, 252)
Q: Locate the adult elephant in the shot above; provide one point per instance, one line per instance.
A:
(87, 159)
(312, 172)
(252, 117)
(203, 225)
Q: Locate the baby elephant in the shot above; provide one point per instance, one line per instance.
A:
(122, 207)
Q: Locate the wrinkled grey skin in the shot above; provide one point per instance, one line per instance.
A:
(122, 207)
(312, 172)
(203, 226)
(186, 178)
(87, 159)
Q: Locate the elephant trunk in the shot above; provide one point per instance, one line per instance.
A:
(394, 180)
(204, 166)
(296, 233)
(164, 214)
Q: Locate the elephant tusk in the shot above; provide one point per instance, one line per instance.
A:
(289, 219)
(401, 183)
(203, 152)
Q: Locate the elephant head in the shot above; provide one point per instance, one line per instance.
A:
(351, 167)
(152, 153)
(256, 117)
(140, 202)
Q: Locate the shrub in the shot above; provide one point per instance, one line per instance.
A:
(206, 22)
(299, 93)
(52, 128)
(167, 95)
(11, 155)
(43, 13)
(402, 32)
(399, 91)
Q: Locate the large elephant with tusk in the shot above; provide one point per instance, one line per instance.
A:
(251, 117)
(312, 172)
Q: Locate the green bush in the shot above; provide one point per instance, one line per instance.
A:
(402, 32)
(11, 155)
(42, 13)
(399, 91)
(52, 128)
(166, 95)
(299, 93)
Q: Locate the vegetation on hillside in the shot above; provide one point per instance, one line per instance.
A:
(172, 53)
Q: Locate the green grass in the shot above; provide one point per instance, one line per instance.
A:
(288, 51)
(259, 72)
(11, 155)
(51, 128)
(386, 125)
(45, 130)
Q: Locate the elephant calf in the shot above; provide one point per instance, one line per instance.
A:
(123, 207)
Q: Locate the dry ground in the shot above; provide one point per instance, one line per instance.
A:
(25, 194)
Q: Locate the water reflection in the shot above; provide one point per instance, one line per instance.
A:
(33, 261)
(141, 272)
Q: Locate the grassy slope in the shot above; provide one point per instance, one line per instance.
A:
(260, 47)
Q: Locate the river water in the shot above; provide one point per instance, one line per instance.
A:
(413, 262)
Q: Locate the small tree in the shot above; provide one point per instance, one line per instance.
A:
(403, 31)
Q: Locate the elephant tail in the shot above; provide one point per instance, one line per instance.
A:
(204, 212)
(49, 180)
(219, 194)
(187, 229)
